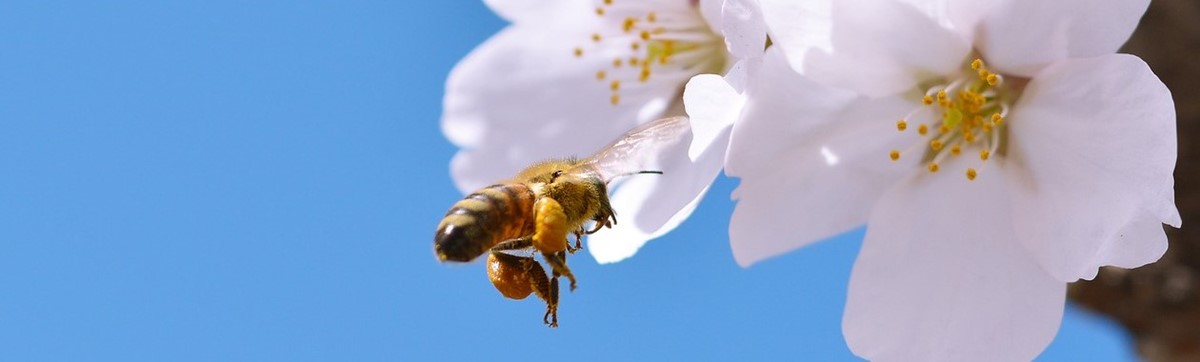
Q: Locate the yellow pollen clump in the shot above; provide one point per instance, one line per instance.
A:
(616, 84)
(633, 61)
(943, 129)
(933, 167)
(578, 52)
(936, 145)
(645, 75)
(895, 155)
(601, 74)
(993, 79)
(976, 64)
(651, 17)
(901, 125)
(983, 155)
(956, 150)
(922, 129)
(645, 35)
(615, 98)
(971, 174)
(628, 25)
(608, 2)
(635, 46)
(596, 37)
(927, 100)
(600, 11)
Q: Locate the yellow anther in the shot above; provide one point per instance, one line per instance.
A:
(615, 98)
(976, 64)
(600, 11)
(956, 150)
(651, 17)
(901, 125)
(596, 37)
(601, 74)
(578, 52)
(936, 145)
(987, 128)
(927, 100)
(627, 26)
(645, 75)
(895, 155)
(971, 174)
(922, 129)
(969, 137)
(983, 73)
(933, 167)
(616, 84)
(635, 46)
(997, 120)
(633, 61)
(943, 129)
(941, 96)
(984, 154)
(608, 2)
(645, 35)
(993, 79)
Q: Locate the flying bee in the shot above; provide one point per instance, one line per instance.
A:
(542, 206)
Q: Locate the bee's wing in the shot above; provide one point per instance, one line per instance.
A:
(637, 150)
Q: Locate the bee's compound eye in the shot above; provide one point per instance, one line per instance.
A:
(555, 175)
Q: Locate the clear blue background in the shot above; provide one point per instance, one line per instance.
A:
(260, 180)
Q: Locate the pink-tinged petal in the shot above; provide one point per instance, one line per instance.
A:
(648, 206)
(875, 47)
(713, 106)
(1022, 36)
(941, 278)
(1091, 148)
(537, 10)
(743, 27)
(812, 160)
(523, 96)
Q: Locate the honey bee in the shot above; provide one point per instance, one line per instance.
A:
(542, 206)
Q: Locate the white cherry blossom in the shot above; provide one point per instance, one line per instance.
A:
(569, 76)
(996, 150)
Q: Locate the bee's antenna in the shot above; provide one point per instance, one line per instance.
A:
(648, 172)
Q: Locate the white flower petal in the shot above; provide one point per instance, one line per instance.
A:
(648, 206)
(743, 27)
(811, 159)
(523, 96)
(709, 9)
(1148, 240)
(1022, 36)
(875, 47)
(713, 106)
(941, 278)
(1092, 147)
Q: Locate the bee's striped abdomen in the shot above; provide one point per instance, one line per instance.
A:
(483, 219)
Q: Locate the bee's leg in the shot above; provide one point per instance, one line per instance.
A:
(545, 288)
(578, 240)
(525, 242)
(606, 217)
(558, 263)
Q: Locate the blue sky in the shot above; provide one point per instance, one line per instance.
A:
(236, 180)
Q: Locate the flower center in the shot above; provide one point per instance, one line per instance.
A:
(668, 44)
(963, 116)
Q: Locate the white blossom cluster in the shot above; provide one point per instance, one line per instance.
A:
(996, 149)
